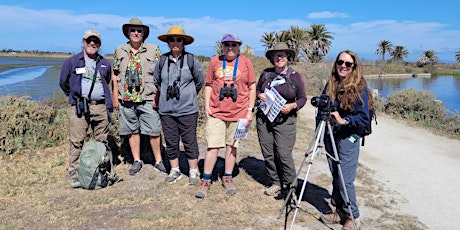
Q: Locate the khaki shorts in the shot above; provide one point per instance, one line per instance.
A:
(220, 133)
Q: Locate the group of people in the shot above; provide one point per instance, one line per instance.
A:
(156, 94)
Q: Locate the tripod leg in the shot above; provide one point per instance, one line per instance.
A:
(339, 168)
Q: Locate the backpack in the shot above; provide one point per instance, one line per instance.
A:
(367, 130)
(95, 168)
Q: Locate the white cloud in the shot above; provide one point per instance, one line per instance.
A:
(326, 14)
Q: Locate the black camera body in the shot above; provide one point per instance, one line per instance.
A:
(173, 92)
(227, 91)
(82, 107)
(133, 79)
(322, 101)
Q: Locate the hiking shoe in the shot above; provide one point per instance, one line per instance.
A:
(203, 189)
(348, 225)
(137, 166)
(272, 190)
(159, 166)
(74, 182)
(173, 176)
(331, 218)
(193, 176)
(227, 182)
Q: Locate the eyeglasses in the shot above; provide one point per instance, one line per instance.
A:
(132, 30)
(280, 55)
(347, 64)
(93, 39)
(171, 39)
(230, 44)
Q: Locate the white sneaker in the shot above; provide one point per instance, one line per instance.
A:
(194, 176)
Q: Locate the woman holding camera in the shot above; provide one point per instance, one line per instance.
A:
(178, 77)
(277, 136)
(230, 94)
(350, 95)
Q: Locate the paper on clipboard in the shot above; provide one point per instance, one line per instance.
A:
(241, 131)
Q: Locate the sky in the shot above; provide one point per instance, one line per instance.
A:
(357, 25)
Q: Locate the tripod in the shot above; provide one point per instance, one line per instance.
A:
(314, 148)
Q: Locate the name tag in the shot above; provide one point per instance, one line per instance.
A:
(81, 70)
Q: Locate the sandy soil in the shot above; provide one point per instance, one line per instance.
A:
(420, 166)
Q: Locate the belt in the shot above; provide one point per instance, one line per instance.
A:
(102, 101)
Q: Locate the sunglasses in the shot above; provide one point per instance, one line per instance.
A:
(280, 56)
(347, 64)
(171, 39)
(230, 44)
(93, 39)
(134, 30)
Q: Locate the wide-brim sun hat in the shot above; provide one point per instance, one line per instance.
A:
(176, 31)
(231, 38)
(135, 22)
(280, 46)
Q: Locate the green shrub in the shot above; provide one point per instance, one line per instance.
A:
(30, 125)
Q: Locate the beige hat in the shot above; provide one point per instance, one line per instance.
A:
(135, 22)
(90, 33)
(280, 46)
(176, 31)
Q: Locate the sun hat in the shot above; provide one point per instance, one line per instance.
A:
(231, 38)
(176, 31)
(90, 33)
(280, 46)
(135, 22)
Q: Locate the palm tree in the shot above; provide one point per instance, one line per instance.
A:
(428, 58)
(457, 56)
(319, 42)
(268, 39)
(383, 47)
(399, 53)
(299, 39)
(218, 47)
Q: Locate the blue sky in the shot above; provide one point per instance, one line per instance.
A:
(52, 25)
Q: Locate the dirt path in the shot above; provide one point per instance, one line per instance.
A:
(422, 167)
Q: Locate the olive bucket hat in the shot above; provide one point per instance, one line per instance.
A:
(135, 22)
(176, 31)
(280, 46)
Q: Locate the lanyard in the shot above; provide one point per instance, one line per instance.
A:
(235, 68)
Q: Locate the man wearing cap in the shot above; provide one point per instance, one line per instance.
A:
(230, 92)
(134, 92)
(85, 79)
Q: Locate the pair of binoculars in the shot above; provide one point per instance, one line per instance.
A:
(227, 91)
(82, 107)
(133, 80)
(173, 92)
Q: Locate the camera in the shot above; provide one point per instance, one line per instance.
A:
(133, 79)
(173, 91)
(322, 101)
(227, 91)
(82, 106)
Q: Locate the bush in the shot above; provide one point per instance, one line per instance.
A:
(30, 125)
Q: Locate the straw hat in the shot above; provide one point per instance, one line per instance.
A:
(280, 46)
(135, 22)
(176, 31)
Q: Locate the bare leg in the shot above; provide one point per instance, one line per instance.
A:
(134, 143)
(155, 143)
(230, 159)
(210, 160)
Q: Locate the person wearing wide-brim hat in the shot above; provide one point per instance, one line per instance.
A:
(179, 78)
(134, 91)
(277, 136)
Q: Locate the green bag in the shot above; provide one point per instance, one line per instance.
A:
(95, 168)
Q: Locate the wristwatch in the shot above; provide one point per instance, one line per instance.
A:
(347, 121)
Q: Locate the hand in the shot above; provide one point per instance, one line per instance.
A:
(115, 103)
(248, 118)
(288, 107)
(337, 118)
(262, 97)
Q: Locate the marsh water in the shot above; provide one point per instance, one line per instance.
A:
(39, 79)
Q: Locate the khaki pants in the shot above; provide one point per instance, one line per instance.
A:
(97, 120)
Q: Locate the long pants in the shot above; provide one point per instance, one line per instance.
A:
(276, 142)
(181, 127)
(348, 153)
(97, 119)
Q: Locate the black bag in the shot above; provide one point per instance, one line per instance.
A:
(367, 130)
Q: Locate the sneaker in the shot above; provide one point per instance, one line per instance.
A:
(227, 182)
(74, 182)
(203, 190)
(137, 166)
(348, 225)
(193, 176)
(173, 176)
(272, 190)
(331, 218)
(159, 166)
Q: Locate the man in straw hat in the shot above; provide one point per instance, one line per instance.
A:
(135, 92)
(179, 80)
(85, 79)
